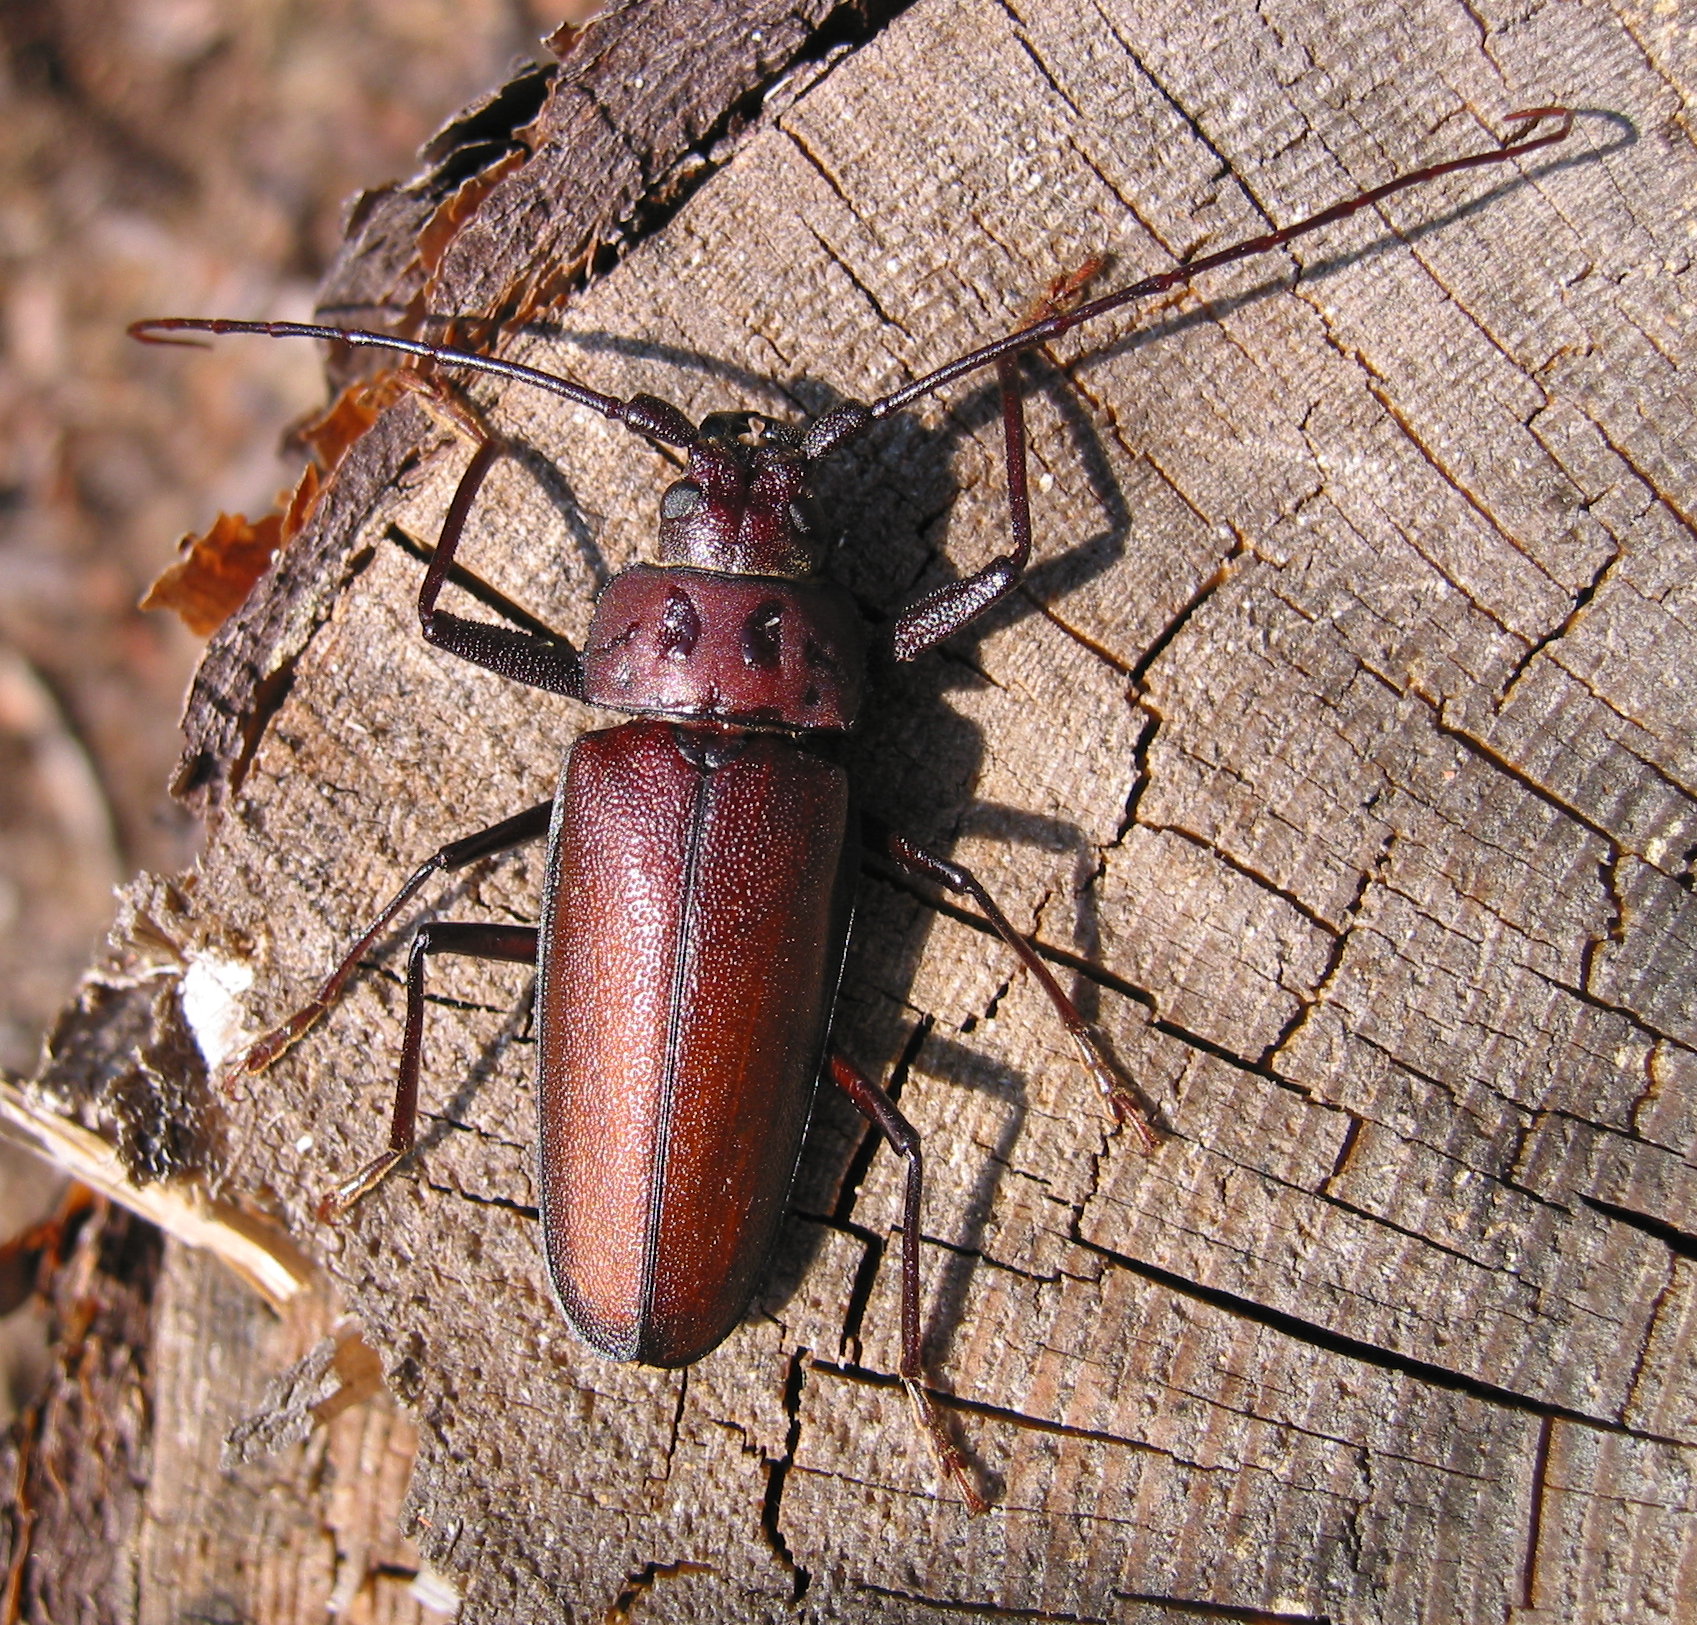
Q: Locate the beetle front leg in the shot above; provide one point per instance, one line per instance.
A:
(943, 612)
(548, 663)
(879, 1110)
(1121, 1096)
(513, 943)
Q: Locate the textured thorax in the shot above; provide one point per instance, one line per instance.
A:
(713, 646)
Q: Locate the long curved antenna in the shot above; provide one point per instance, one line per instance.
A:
(1515, 144)
(646, 414)
(659, 420)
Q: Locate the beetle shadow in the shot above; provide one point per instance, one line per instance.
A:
(954, 1263)
(1389, 240)
(841, 1145)
(512, 1038)
(554, 485)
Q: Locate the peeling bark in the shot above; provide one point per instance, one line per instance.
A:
(1339, 747)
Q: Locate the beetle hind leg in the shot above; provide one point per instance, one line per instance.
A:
(879, 1110)
(529, 825)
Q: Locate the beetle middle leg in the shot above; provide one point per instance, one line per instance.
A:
(521, 828)
(515, 944)
(879, 1110)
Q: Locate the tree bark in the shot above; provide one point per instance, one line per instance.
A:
(1338, 747)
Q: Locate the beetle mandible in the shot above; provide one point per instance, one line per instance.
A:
(701, 857)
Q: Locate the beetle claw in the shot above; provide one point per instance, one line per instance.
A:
(950, 1462)
(335, 1204)
(1123, 1101)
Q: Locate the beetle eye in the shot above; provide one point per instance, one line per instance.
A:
(680, 500)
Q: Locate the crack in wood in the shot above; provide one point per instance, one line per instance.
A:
(1631, 1017)
(777, 1471)
(1266, 883)
(1493, 758)
(1199, 1608)
(1652, 1326)
(482, 1199)
(1682, 1243)
(1083, 639)
(645, 1580)
(1535, 1514)
(1686, 519)
(1176, 623)
(1422, 1371)
(978, 1609)
(1308, 1003)
(1581, 602)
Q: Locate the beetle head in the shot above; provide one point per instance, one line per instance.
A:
(744, 505)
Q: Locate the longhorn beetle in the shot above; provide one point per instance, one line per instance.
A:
(701, 857)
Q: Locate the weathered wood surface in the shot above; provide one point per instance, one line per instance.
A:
(1346, 724)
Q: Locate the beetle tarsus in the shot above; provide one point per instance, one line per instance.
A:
(338, 1202)
(950, 1462)
(1128, 1109)
(264, 1052)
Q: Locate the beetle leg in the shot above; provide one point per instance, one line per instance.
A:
(879, 1110)
(541, 662)
(529, 825)
(943, 612)
(1122, 1098)
(446, 400)
(478, 940)
(936, 616)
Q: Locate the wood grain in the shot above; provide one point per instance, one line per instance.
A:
(1345, 726)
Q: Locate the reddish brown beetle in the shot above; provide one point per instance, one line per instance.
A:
(701, 857)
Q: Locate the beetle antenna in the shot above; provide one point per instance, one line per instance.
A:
(1519, 141)
(646, 414)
